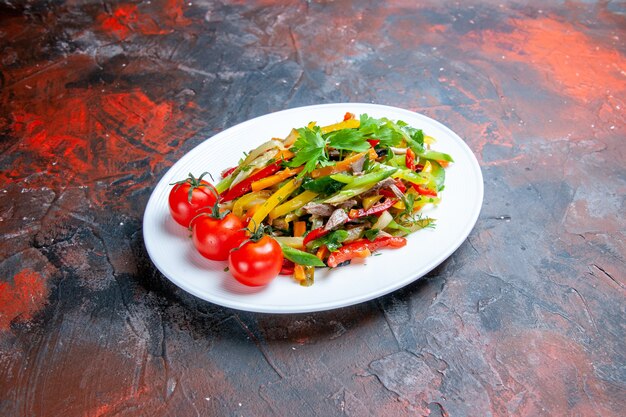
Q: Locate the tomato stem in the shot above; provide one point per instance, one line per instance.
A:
(259, 231)
(195, 183)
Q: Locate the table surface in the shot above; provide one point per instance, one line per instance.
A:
(98, 99)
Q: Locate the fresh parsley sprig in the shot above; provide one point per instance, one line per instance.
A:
(311, 147)
(348, 140)
(391, 133)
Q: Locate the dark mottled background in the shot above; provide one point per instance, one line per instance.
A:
(99, 98)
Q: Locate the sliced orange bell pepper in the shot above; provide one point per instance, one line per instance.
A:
(342, 165)
(322, 252)
(346, 124)
(298, 273)
(299, 228)
(275, 179)
(284, 155)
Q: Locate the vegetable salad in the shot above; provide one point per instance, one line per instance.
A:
(335, 193)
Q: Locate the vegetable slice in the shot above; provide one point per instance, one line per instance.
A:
(362, 248)
(245, 186)
(436, 156)
(346, 124)
(315, 234)
(293, 204)
(249, 200)
(291, 241)
(342, 165)
(300, 257)
(275, 179)
(273, 201)
(375, 209)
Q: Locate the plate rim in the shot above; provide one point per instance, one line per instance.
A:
(330, 305)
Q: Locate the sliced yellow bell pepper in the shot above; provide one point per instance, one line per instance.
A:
(416, 206)
(346, 124)
(274, 200)
(370, 201)
(249, 200)
(291, 217)
(322, 253)
(293, 204)
(275, 179)
(399, 205)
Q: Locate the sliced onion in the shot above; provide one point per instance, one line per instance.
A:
(383, 221)
(398, 151)
(354, 234)
(271, 144)
(293, 242)
(316, 222)
(245, 202)
(291, 138)
(259, 162)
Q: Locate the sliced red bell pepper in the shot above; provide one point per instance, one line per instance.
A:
(425, 191)
(228, 171)
(400, 185)
(360, 248)
(287, 268)
(389, 193)
(392, 242)
(315, 234)
(373, 142)
(375, 209)
(348, 116)
(410, 159)
(245, 186)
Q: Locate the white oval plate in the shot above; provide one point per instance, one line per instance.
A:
(173, 253)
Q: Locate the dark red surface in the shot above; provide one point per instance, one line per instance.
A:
(98, 99)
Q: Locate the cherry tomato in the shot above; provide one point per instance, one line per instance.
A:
(214, 237)
(190, 197)
(256, 263)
